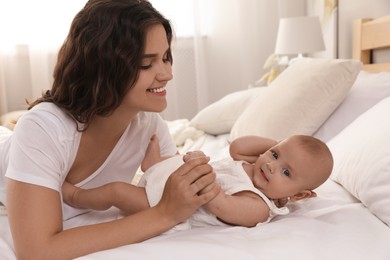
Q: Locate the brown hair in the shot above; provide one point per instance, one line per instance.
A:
(99, 61)
(320, 151)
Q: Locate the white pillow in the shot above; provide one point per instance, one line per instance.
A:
(362, 159)
(299, 100)
(219, 117)
(368, 89)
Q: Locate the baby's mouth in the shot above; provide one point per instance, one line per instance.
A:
(263, 174)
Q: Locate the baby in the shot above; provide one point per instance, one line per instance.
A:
(256, 182)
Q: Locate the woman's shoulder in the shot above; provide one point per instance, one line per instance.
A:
(47, 116)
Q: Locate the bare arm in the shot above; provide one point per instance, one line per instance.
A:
(248, 148)
(244, 208)
(36, 220)
(127, 197)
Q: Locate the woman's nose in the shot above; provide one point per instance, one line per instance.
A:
(165, 72)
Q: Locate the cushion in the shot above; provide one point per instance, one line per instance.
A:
(299, 100)
(368, 90)
(362, 159)
(219, 117)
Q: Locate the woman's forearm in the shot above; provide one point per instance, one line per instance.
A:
(126, 197)
(36, 225)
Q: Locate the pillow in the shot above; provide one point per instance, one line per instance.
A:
(362, 159)
(299, 100)
(368, 89)
(219, 117)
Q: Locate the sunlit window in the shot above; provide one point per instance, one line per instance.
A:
(45, 23)
(39, 22)
(180, 13)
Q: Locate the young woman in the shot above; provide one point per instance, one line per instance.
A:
(92, 128)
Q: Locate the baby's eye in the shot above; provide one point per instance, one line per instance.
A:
(286, 172)
(275, 154)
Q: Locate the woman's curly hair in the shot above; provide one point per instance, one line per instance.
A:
(100, 59)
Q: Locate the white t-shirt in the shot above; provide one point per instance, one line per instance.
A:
(45, 141)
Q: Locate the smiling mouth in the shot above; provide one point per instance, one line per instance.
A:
(263, 174)
(157, 90)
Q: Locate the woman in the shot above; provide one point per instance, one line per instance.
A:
(93, 127)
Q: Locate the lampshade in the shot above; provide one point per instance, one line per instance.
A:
(298, 35)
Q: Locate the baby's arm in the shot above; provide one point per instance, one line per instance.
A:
(243, 208)
(248, 148)
(126, 197)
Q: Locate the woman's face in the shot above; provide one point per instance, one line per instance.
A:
(149, 92)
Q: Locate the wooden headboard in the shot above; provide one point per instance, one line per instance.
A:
(369, 35)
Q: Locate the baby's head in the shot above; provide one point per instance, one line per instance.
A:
(293, 168)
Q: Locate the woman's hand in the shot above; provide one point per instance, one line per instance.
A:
(181, 195)
(69, 193)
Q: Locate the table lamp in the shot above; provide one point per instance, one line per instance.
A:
(299, 35)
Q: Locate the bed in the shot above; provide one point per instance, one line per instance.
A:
(350, 218)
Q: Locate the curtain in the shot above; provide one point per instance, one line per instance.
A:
(220, 47)
(31, 33)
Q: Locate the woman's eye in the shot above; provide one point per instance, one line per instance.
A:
(145, 67)
(274, 154)
(286, 172)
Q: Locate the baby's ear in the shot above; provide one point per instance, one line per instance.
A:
(305, 194)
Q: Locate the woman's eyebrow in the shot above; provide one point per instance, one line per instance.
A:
(152, 55)
(149, 55)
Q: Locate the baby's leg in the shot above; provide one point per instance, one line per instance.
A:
(152, 155)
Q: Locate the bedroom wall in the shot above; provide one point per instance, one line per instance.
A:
(244, 38)
(350, 10)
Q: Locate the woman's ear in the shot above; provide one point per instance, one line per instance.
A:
(305, 194)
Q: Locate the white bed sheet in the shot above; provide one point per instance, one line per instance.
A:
(334, 225)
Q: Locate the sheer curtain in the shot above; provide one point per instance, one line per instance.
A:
(220, 47)
(31, 33)
(224, 51)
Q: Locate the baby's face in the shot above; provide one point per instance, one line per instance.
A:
(283, 170)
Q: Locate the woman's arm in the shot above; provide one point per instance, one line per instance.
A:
(243, 209)
(126, 197)
(248, 148)
(36, 220)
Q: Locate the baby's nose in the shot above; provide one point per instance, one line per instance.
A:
(269, 167)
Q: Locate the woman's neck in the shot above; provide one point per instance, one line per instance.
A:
(111, 126)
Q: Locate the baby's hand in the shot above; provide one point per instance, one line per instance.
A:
(193, 155)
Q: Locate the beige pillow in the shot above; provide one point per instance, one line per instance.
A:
(299, 100)
(219, 117)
